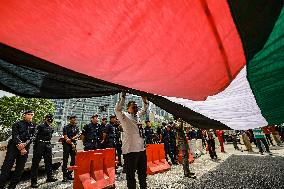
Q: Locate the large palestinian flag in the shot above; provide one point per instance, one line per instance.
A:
(220, 63)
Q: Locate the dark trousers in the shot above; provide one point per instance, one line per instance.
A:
(135, 161)
(212, 148)
(12, 154)
(258, 141)
(67, 150)
(212, 152)
(44, 150)
(169, 150)
(268, 138)
(185, 164)
(118, 152)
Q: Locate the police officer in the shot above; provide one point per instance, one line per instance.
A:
(111, 133)
(168, 138)
(70, 133)
(118, 141)
(43, 148)
(149, 133)
(23, 133)
(91, 134)
(103, 133)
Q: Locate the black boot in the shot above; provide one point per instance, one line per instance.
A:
(190, 175)
(12, 186)
(51, 179)
(34, 185)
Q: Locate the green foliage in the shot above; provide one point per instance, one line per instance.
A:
(12, 108)
(155, 124)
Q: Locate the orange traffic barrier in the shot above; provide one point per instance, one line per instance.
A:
(82, 166)
(156, 162)
(109, 164)
(95, 178)
(94, 169)
(162, 157)
(152, 168)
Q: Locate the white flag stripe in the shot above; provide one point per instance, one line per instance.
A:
(235, 106)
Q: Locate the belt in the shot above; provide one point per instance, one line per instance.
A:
(45, 141)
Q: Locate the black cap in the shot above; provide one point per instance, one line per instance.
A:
(28, 112)
(48, 116)
(104, 118)
(147, 121)
(95, 115)
(72, 117)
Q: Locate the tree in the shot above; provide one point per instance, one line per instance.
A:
(12, 108)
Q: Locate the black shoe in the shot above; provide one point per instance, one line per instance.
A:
(64, 179)
(34, 185)
(190, 175)
(51, 179)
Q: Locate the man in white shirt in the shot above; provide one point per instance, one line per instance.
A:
(133, 146)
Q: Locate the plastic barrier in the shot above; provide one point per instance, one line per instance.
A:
(156, 162)
(94, 169)
(82, 166)
(109, 164)
(162, 157)
(192, 146)
(152, 168)
(199, 145)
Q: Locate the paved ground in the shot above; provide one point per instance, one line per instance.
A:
(234, 169)
(243, 171)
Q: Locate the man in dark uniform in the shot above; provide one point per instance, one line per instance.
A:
(91, 134)
(103, 134)
(23, 133)
(141, 130)
(70, 133)
(43, 148)
(149, 133)
(168, 138)
(159, 133)
(118, 141)
(110, 133)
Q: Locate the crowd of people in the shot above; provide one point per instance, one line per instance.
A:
(123, 131)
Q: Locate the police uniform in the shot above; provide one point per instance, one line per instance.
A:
(22, 132)
(102, 131)
(43, 148)
(118, 143)
(110, 130)
(168, 138)
(149, 133)
(70, 131)
(91, 134)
